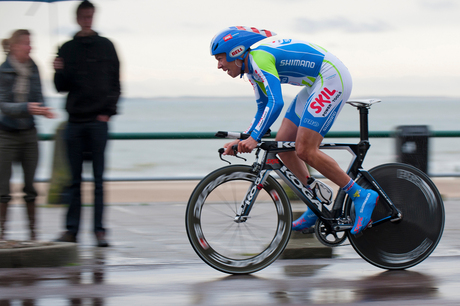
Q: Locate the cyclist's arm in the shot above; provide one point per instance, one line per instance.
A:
(269, 100)
(261, 100)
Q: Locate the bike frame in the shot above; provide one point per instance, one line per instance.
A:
(231, 247)
(332, 214)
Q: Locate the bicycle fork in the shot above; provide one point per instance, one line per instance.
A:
(243, 211)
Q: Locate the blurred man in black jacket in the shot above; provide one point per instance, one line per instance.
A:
(87, 67)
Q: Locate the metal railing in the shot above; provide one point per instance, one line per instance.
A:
(211, 135)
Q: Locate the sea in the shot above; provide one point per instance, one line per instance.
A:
(192, 159)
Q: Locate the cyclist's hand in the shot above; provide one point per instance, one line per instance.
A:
(228, 147)
(247, 145)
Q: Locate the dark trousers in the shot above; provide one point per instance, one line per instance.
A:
(81, 138)
(19, 147)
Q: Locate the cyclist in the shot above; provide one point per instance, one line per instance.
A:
(326, 87)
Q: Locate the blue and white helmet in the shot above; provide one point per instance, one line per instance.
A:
(235, 41)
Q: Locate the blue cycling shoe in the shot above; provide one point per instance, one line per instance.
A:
(364, 201)
(307, 219)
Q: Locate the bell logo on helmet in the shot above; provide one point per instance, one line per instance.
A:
(228, 37)
(237, 51)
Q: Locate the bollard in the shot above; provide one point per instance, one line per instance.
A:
(60, 174)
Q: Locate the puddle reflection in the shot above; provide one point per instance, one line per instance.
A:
(302, 270)
(86, 301)
(11, 303)
(305, 284)
(286, 284)
(397, 285)
(58, 279)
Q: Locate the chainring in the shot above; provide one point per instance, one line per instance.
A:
(327, 236)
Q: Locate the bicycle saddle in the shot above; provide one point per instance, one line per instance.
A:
(363, 102)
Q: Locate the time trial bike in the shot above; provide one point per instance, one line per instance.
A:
(239, 218)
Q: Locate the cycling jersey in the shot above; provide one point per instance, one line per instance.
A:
(326, 80)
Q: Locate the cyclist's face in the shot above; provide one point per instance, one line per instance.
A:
(230, 67)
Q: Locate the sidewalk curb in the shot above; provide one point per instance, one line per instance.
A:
(304, 246)
(54, 255)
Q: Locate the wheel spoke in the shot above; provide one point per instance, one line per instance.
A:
(219, 211)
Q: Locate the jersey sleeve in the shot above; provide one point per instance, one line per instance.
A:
(267, 87)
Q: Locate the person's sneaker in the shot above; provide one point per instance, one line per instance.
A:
(307, 219)
(67, 237)
(101, 241)
(364, 203)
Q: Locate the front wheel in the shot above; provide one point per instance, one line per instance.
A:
(405, 243)
(228, 246)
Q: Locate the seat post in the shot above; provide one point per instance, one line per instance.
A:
(363, 123)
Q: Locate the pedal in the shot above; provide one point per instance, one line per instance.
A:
(309, 230)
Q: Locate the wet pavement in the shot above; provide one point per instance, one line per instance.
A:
(150, 262)
(293, 282)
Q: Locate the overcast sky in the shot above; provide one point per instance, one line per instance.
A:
(392, 47)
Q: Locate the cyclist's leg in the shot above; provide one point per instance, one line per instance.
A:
(288, 132)
(330, 92)
(307, 148)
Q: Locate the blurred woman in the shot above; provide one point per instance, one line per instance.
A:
(20, 98)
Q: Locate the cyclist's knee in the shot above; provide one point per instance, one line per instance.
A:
(306, 154)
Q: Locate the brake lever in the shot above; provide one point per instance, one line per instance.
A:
(222, 150)
(240, 157)
(235, 151)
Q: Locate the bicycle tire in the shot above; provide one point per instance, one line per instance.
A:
(405, 243)
(237, 248)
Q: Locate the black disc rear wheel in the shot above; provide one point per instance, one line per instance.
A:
(405, 243)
